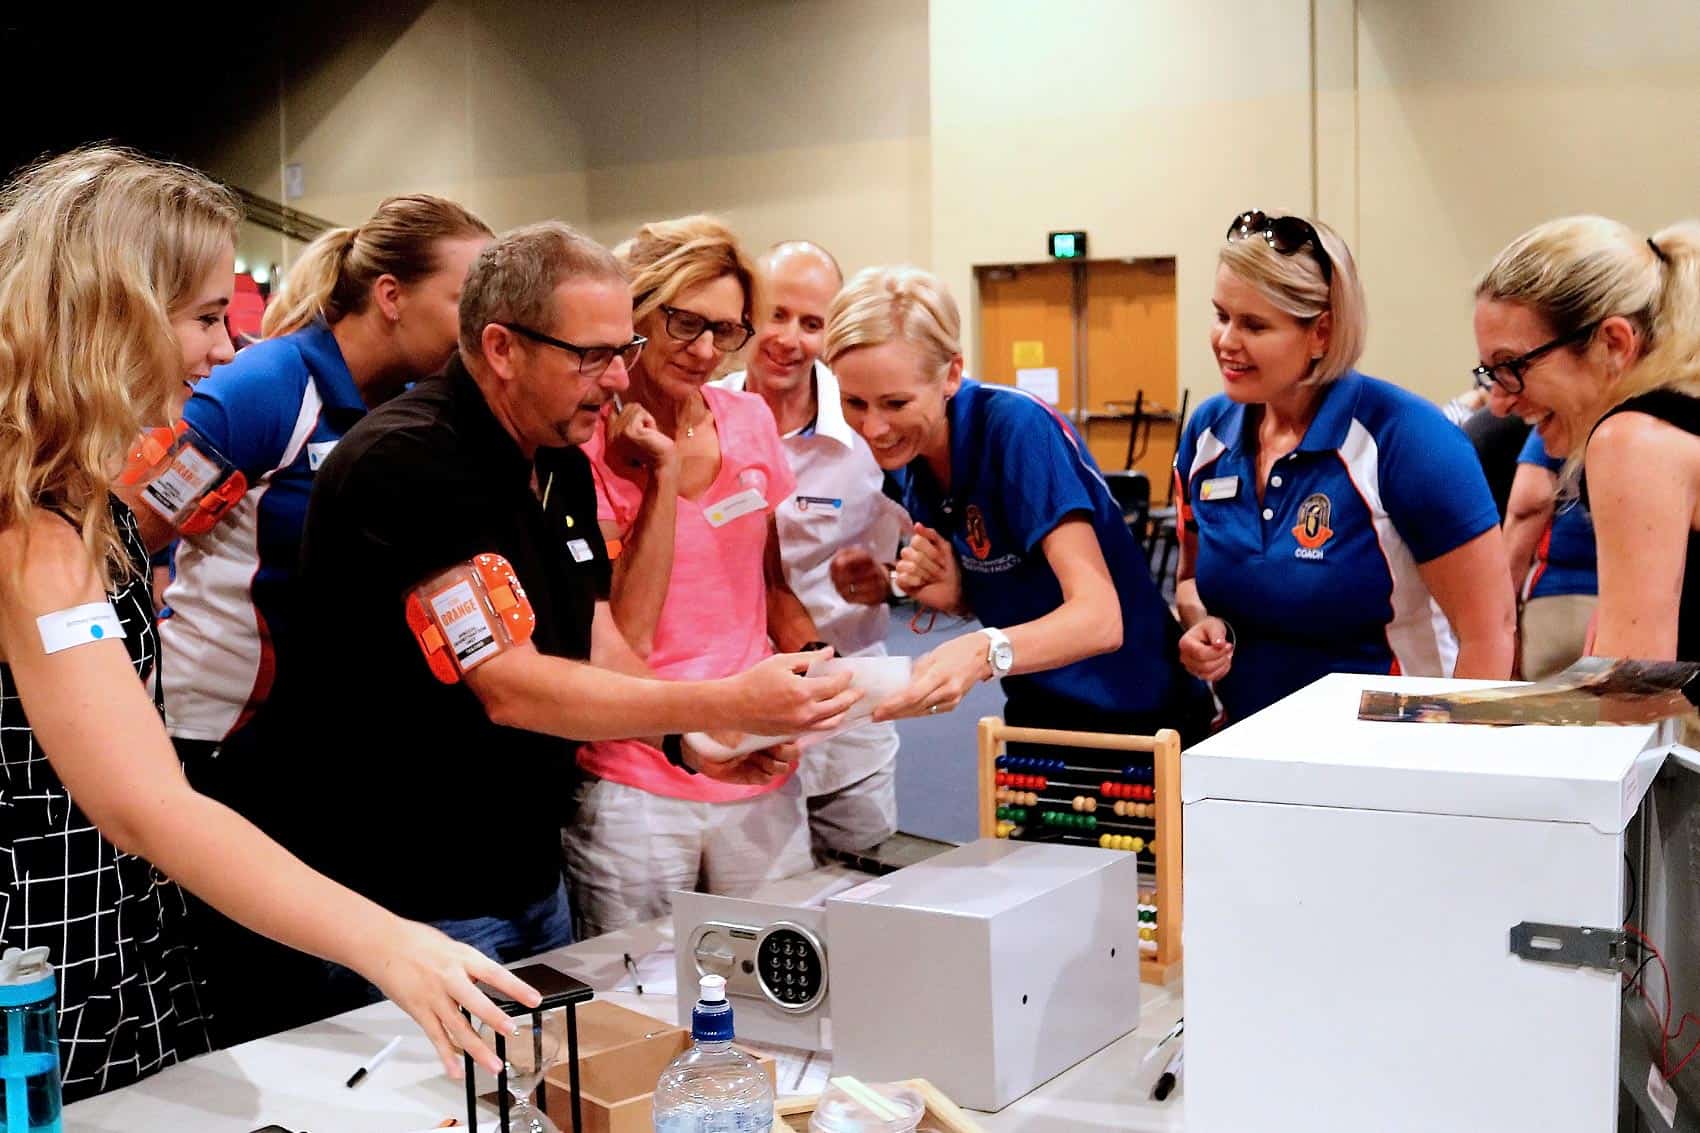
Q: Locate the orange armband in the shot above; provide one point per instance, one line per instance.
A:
(468, 614)
(183, 478)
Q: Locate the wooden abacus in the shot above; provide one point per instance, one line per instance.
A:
(1135, 810)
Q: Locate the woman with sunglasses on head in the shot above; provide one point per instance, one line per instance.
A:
(1591, 332)
(1333, 522)
(1015, 526)
(688, 475)
(115, 272)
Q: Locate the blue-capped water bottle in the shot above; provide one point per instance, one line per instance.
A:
(713, 1087)
(29, 1043)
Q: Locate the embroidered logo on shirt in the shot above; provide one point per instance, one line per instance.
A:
(804, 503)
(1312, 530)
(978, 541)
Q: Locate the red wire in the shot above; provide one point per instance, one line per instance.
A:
(915, 621)
(1665, 1033)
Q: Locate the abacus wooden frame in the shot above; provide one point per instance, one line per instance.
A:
(1165, 749)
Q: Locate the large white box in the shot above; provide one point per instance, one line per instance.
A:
(1350, 892)
(987, 970)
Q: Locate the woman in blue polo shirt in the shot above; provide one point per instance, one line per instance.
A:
(1015, 526)
(362, 314)
(1553, 573)
(1333, 522)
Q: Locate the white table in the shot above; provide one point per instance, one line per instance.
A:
(295, 1079)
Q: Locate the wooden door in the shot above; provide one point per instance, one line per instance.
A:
(1127, 324)
(1027, 323)
(1131, 348)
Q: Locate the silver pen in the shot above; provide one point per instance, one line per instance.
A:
(1174, 1033)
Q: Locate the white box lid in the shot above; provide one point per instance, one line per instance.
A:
(983, 879)
(1311, 749)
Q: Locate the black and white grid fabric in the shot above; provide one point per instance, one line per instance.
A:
(114, 925)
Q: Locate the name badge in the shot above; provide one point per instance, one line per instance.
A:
(734, 506)
(579, 549)
(316, 454)
(1221, 488)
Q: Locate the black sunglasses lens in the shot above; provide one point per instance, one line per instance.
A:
(1288, 234)
(1246, 224)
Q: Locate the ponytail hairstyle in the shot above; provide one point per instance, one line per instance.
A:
(334, 276)
(1582, 269)
(98, 248)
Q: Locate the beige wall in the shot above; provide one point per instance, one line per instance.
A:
(1148, 124)
(1429, 133)
(803, 118)
(953, 133)
(1477, 121)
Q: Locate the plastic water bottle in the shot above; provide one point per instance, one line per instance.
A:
(713, 1087)
(29, 1043)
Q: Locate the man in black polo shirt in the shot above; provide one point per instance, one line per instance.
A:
(444, 801)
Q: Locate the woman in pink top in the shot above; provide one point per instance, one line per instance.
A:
(688, 476)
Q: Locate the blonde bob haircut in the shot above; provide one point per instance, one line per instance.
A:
(99, 248)
(333, 278)
(1294, 284)
(895, 304)
(669, 257)
(1582, 269)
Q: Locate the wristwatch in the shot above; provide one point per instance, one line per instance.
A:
(999, 654)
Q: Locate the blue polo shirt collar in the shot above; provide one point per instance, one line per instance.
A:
(1328, 429)
(1333, 420)
(330, 372)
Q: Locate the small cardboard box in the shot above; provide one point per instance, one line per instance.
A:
(621, 1056)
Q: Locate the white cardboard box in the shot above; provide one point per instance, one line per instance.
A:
(986, 970)
(1350, 891)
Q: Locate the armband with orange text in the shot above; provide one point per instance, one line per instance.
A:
(183, 478)
(468, 614)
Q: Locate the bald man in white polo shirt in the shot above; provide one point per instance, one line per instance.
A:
(834, 531)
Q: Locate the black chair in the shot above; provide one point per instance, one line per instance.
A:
(1132, 491)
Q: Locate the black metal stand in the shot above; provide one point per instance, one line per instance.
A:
(564, 991)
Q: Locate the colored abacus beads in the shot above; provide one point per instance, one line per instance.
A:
(1112, 790)
(1121, 842)
(1066, 821)
(1013, 813)
(1032, 782)
(1134, 810)
(1086, 803)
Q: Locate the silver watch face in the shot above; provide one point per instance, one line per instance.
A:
(1003, 657)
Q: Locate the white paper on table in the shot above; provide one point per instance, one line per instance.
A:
(655, 971)
(1041, 383)
(796, 1071)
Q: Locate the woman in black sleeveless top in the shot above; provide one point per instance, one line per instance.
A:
(115, 272)
(1592, 334)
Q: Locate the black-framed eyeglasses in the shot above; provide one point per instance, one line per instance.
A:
(1508, 375)
(687, 326)
(1286, 234)
(592, 360)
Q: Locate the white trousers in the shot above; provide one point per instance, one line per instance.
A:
(627, 850)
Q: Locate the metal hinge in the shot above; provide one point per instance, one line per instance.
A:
(1572, 946)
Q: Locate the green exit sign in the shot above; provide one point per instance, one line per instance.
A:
(1068, 245)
